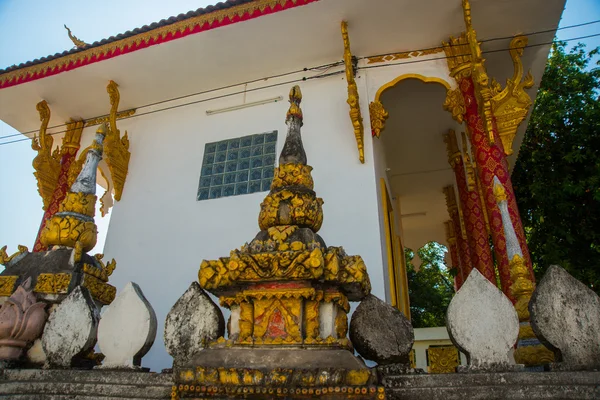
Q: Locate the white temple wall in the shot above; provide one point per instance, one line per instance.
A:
(159, 233)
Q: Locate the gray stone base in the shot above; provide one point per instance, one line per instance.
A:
(37, 384)
(505, 386)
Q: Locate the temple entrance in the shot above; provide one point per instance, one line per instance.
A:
(414, 160)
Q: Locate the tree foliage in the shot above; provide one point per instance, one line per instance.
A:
(430, 288)
(557, 174)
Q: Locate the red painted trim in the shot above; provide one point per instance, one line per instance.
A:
(142, 45)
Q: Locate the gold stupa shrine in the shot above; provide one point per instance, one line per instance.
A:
(288, 294)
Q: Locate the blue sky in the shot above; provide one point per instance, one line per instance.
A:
(31, 29)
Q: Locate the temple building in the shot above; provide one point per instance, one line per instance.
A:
(413, 115)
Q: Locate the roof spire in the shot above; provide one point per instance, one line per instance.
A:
(293, 150)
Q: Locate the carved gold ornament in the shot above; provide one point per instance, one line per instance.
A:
(353, 100)
(293, 175)
(116, 148)
(378, 116)
(5, 259)
(101, 291)
(511, 104)
(7, 285)
(469, 167)
(442, 359)
(47, 162)
(455, 104)
(454, 155)
(53, 283)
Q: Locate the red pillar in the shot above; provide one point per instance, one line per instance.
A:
(491, 161)
(464, 254)
(69, 149)
(470, 204)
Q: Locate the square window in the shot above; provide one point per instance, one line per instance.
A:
(231, 166)
(203, 194)
(266, 184)
(241, 188)
(256, 162)
(222, 146)
(234, 144)
(255, 174)
(246, 141)
(205, 181)
(228, 190)
(254, 187)
(208, 159)
(271, 137)
(210, 147)
(215, 192)
(238, 166)
(269, 160)
(245, 152)
(242, 176)
(258, 139)
(257, 151)
(217, 180)
(270, 148)
(207, 170)
(268, 172)
(218, 168)
(229, 178)
(232, 155)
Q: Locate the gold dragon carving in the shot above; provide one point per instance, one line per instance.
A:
(47, 162)
(116, 147)
(353, 100)
(511, 104)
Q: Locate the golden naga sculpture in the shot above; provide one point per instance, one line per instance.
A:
(116, 147)
(511, 104)
(353, 100)
(529, 350)
(47, 163)
(80, 44)
(287, 291)
(74, 224)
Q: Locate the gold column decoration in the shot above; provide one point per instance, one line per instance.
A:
(529, 352)
(72, 138)
(47, 163)
(353, 101)
(116, 148)
(469, 168)
(463, 55)
(378, 116)
(454, 156)
(511, 104)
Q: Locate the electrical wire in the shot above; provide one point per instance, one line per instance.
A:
(322, 74)
(326, 67)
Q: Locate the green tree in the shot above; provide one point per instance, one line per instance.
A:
(557, 174)
(430, 288)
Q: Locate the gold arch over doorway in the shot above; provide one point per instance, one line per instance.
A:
(423, 78)
(378, 113)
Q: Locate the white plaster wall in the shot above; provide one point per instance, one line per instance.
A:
(159, 233)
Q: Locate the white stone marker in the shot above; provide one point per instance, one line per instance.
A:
(127, 329)
(193, 321)
(566, 315)
(483, 324)
(71, 329)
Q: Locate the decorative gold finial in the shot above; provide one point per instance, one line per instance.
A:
(295, 99)
(353, 101)
(80, 44)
